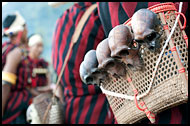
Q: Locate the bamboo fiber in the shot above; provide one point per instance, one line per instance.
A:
(169, 88)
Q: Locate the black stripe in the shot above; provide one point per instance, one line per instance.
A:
(8, 112)
(165, 117)
(90, 45)
(72, 81)
(104, 112)
(184, 111)
(141, 5)
(71, 66)
(82, 5)
(91, 108)
(22, 106)
(122, 15)
(70, 63)
(105, 17)
(66, 19)
(113, 121)
(97, 89)
(70, 111)
(80, 108)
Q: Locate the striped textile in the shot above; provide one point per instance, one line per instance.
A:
(20, 98)
(85, 104)
(115, 13)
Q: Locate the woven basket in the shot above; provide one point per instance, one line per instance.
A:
(169, 88)
(55, 115)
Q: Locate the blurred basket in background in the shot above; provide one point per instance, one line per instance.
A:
(170, 86)
(55, 115)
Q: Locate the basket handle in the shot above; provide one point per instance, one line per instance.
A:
(184, 24)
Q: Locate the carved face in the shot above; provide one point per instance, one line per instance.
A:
(120, 43)
(106, 62)
(89, 72)
(144, 25)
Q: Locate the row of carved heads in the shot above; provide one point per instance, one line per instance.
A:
(118, 51)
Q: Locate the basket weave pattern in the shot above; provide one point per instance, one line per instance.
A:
(55, 115)
(168, 89)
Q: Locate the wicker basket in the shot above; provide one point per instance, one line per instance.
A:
(170, 87)
(55, 115)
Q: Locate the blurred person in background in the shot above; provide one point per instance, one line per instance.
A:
(14, 98)
(37, 67)
(40, 78)
(84, 104)
(22, 71)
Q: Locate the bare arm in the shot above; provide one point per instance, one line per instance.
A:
(12, 61)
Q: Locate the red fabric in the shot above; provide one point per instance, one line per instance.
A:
(19, 100)
(85, 109)
(67, 110)
(97, 110)
(176, 116)
(76, 108)
(131, 5)
(81, 52)
(112, 7)
(63, 43)
(82, 101)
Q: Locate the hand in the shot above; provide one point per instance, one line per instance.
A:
(44, 88)
(33, 91)
(57, 92)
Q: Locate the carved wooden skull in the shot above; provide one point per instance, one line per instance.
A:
(145, 27)
(120, 44)
(89, 72)
(106, 62)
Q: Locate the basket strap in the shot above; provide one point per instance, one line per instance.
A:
(175, 53)
(73, 41)
(183, 28)
(149, 114)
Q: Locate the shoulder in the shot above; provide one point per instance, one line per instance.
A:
(15, 55)
(13, 59)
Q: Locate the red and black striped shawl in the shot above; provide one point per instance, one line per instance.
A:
(84, 103)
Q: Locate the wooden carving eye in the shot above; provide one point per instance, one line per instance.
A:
(124, 52)
(151, 36)
(96, 73)
(139, 41)
(89, 79)
(110, 64)
(116, 57)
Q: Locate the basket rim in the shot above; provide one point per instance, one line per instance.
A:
(162, 7)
